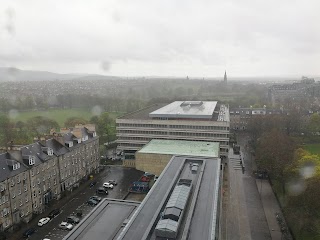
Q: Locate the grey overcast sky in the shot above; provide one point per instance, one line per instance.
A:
(162, 37)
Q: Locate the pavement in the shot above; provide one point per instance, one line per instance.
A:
(251, 204)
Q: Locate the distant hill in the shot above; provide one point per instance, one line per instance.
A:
(15, 74)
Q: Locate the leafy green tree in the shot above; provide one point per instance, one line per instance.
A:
(41, 125)
(105, 127)
(72, 121)
(314, 123)
(6, 130)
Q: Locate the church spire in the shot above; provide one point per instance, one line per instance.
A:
(225, 76)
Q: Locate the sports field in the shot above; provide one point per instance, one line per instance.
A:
(59, 115)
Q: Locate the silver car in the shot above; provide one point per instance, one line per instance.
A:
(65, 226)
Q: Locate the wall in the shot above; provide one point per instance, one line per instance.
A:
(152, 163)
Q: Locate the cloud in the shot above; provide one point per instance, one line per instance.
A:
(162, 37)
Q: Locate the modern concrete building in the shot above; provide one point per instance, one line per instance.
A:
(168, 211)
(181, 120)
(155, 156)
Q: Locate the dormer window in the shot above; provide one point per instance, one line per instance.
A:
(69, 144)
(32, 160)
(50, 151)
(94, 134)
(79, 140)
(16, 166)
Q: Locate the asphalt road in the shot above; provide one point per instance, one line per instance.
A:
(123, 176)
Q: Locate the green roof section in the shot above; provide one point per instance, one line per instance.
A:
(181, 147)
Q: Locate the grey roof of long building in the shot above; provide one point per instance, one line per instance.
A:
(105, 221)
(203, 220)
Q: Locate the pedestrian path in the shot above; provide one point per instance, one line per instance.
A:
(271, 208)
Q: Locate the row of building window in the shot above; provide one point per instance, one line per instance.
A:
(191, 134)
(140, 145)
(133, 125)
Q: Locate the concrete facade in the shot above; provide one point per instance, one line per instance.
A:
(136, 129)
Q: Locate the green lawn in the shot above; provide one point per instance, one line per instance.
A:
(59, 115)
(313, 148)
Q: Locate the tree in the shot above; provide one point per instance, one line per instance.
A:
(314, 123)
(72, 121)
(6, 130)
(275, 154)
(41, 125)
(105, 126)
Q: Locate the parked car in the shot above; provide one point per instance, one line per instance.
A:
(113, 182)
(107, 185)
(65, 226)
(101, 190)
(92, 202)
(73, 219)
(96, 198)
(92, 184)
(27, 233)
(54, 213)
(43, 221)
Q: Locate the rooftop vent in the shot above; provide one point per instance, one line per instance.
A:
(191, 103)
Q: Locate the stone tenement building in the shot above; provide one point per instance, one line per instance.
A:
(181, 120)
(31, 176)
(305, 88)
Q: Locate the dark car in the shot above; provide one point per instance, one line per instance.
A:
(92, 184)
(101, 190)
(54, 213)
(92, 202)
(28, 232)
(73, 219)
(113, 182)
(96, 198)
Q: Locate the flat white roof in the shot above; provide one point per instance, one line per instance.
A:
(186, 109)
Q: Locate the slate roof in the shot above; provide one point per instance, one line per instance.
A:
(57, 147)
(6, 171)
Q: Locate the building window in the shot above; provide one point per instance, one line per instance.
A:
(31, 160)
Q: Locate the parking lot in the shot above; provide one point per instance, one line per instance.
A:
(123, 177)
